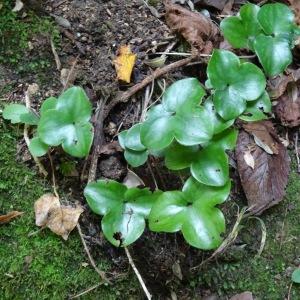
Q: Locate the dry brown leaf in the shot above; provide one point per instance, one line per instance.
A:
(197, 29)
(132, 180)
(59, 219)
(249, 159)
(295, 4)
(263, 133)
(124, 63)
(264, 186)
(288, 107)
(243, 296)
(9, 216)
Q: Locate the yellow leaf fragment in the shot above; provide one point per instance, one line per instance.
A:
(9, 216)
(59, 219)
(124, 63)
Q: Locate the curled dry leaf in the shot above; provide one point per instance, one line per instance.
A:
(124, 63)
(133, 180)
(197, 29)
(263, 133)
(264, 186)
(59, 219)
(288, 107)
(9, 216)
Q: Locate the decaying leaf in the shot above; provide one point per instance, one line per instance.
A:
(288, 107)
(263, 133)
(197, 29)
(249, 159)
(264, 186)
(18, 6)
(132, 180)
(243, 296)
(9, 216)
(59, 219)
(124, 63)
(295, 5)
(219, 4)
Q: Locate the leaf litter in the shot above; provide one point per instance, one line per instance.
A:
(10, 216)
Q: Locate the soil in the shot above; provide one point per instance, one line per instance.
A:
(97, 29)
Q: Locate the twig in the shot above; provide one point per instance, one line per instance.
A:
(289, 293)
(157, 73)
(86, 291)
(56, 57)
(263, 235)
(27, 140)
(70, 73)
(53, 175)
(101, 273)
(137, 273)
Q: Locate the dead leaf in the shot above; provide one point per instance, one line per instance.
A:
(249, 159)
(132, 180)
(263, 133)
(243, 296)
(295, 4)
(197, 29)
(264, 186)
(227, 10)
(219, 4)
(124, 63)
(18, 6)
(288, 107)
(59, 219)
(177, 270)
(9, 216)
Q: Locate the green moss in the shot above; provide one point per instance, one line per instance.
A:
(267, 276)
(42, 266)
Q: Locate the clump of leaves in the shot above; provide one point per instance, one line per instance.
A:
(269, 31)
(63, 121)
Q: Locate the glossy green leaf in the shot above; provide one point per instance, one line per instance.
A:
(136, 158)
(273, 53)
(225, 140)
(205, 193)
(276, 18)
(122, 138)
(211, 166)
(37, 147)
(296, 276)
(13, 112)
(183, 95)
(256, 110)
(29, 118)
(240, 31)
(49, 103)
(200, 222)
(243, 82)
(124, 210)
(133, 140)
(68, 123)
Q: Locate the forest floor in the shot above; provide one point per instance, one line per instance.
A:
(39, 264)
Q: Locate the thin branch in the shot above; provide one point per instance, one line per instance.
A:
(53, 175)
(70, 73)
(86, 291)
(101, 273)
(137, 273)
(56, 57)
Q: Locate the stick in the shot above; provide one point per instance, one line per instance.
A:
(101, 273)
(137, 273)
(53, 176)
(86, 291)
(56, 57)
(157, 73)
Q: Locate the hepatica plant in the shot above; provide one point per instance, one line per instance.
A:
(269, 31)
(191, 131)
(63, 121)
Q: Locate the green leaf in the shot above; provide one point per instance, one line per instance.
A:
(133, 140)
(136, 158)
(243, 82)
(49, 103)
(37, 147)
(200, 222)
(124, 210)
(273, 53)
(296, 276)
(256, 110)
(225, 140)
(13, 112)
(29, 118)
(183, 95)
(204, 193)
(276, 18)
(68, 123)
(122, 138)
(178, 157)
(211, 166)
(240, 31)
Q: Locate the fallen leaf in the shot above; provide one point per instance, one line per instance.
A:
(132, 180)
(264, 186)
(288, 107)
(249, 159)
(197, 29)
(243, 296)
(124, 63)
(295, 4)
(227, 10)
(263, 133)
(59, 219)
(177, 270)
(219, 4)
(9, 216)
(18, 6)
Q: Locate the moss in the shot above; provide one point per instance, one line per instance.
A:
(42, 266)
(267, 276)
